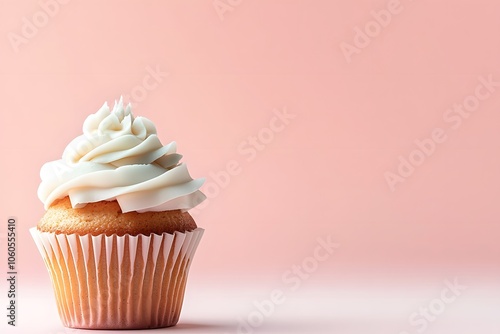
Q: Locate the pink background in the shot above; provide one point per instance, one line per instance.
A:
(323, 174)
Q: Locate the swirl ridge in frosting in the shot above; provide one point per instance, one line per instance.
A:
(120, 157)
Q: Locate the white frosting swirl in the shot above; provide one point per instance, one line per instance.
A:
(119, 157)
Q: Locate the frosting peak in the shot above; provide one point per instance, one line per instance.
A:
(119, 157)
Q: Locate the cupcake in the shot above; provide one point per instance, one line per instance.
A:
(116, 237)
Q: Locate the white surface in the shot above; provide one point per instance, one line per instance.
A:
(345, 310)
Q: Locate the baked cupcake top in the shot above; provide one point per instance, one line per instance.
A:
(105, 217)
(120, 158)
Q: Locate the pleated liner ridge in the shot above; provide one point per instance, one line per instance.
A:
(118, 282)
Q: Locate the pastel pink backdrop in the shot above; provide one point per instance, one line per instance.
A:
(324, 173)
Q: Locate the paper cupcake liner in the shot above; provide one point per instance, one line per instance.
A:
(118, 282)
